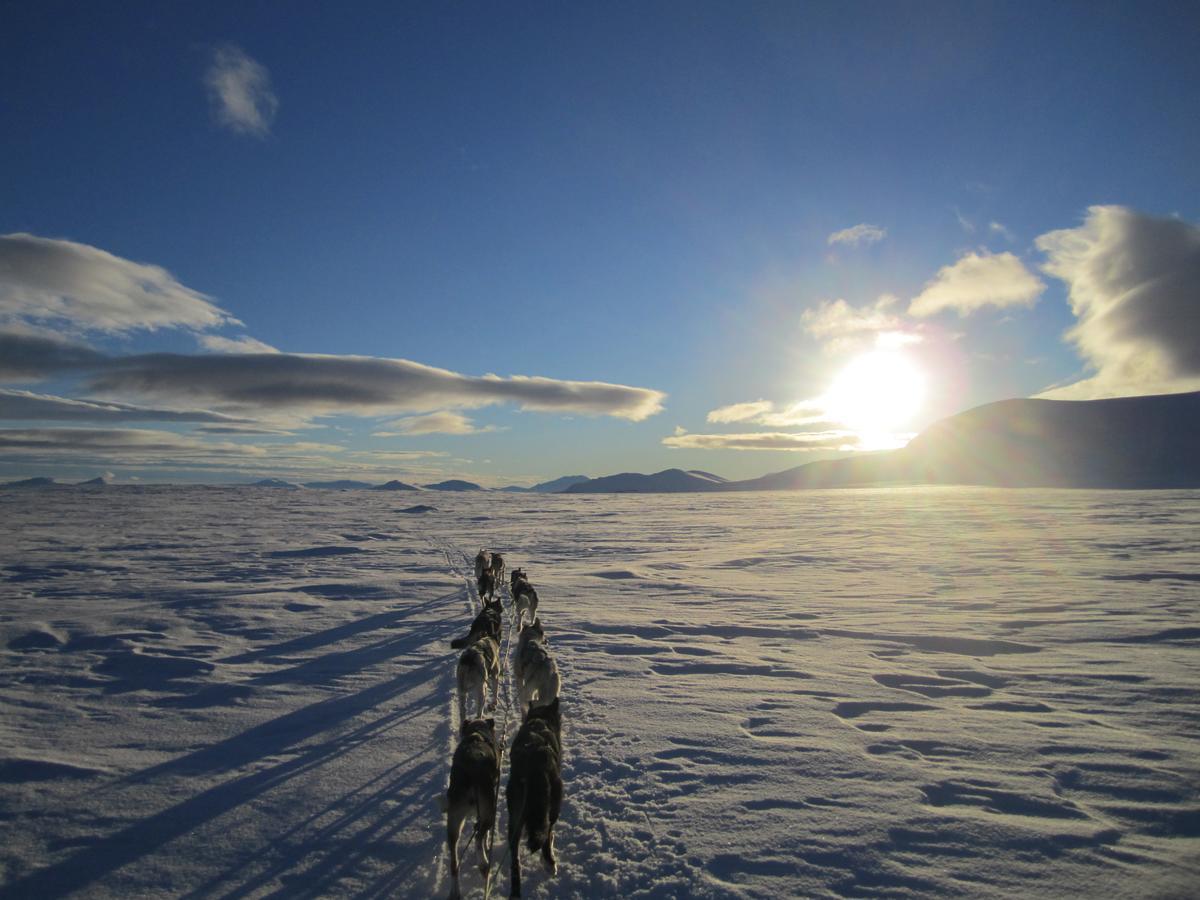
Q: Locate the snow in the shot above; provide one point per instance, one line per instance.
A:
(912, 692)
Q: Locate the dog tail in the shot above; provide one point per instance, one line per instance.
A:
(537, 811)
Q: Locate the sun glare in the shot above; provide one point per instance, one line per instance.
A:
(877, 393)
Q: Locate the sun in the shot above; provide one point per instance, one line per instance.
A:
(877, 393)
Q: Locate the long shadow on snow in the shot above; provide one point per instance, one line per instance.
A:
(110, 853)
(340, 632)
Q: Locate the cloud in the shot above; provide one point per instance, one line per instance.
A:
(312, 384)
(28, 356)
(740, 412)
(433, 423)
(841, 327)
(63, 282)
(858, 234)
(114, 440)
(999, 229)
(240, 90)
(303, 385)
(1134, 285)
(243, 344)
(977, 280)
(807, 441)
(30, 407)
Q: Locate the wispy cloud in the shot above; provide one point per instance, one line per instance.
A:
(1134, 284)
(858, 234)
(997, 228)
(26, 406)
(740, 412)
(64, 283)
(243, 344)
(115, 441)
(812, 441)
(442, 422)
(240, 91)
(978, 280)
(838, 325)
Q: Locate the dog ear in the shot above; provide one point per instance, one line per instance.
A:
(537, 623)
(491, 724)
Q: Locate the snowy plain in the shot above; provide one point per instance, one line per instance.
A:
(910, 692)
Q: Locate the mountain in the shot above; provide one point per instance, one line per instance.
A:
(668, 481)
(558, 485)
(275, 483)
(1124, 442)
(344, 485)
(708, 476)
(31, 483)
(454, 484)
(395, 485)
(98, 481)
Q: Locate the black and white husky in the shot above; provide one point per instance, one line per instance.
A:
(474, 787)
(478, 672)
(535, 788)
(525, 598)
(534, 669)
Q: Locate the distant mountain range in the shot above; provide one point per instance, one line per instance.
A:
(1126, 442)
(557, 486)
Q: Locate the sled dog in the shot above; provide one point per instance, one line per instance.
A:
(487, 622)
(535, 788)
(474, 786)
(483, 562)
(485, 585)
(478, 673)
(534, 669)
(497, 569)
(525, 598)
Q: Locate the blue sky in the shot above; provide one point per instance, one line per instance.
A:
(643, 195)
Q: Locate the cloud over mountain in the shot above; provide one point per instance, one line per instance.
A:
(1133, 283)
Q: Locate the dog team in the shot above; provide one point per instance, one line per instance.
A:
(535, 788)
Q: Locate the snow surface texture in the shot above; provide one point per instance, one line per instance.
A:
(910, 692)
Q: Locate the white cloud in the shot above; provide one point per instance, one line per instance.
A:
(1134, 286)
(804, 442)
(740, 412)
(242, 344)
(442, 422)
(841, 327)
(59, 282)
(977, 280)
(858, 234)
(998, 229)
(240, 90)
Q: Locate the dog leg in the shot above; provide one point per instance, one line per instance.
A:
(556, 796)
(516, 824)
(455, 816)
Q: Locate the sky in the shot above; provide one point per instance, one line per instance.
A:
(509, 242)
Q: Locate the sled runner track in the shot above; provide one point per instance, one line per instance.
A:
(501, 692)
